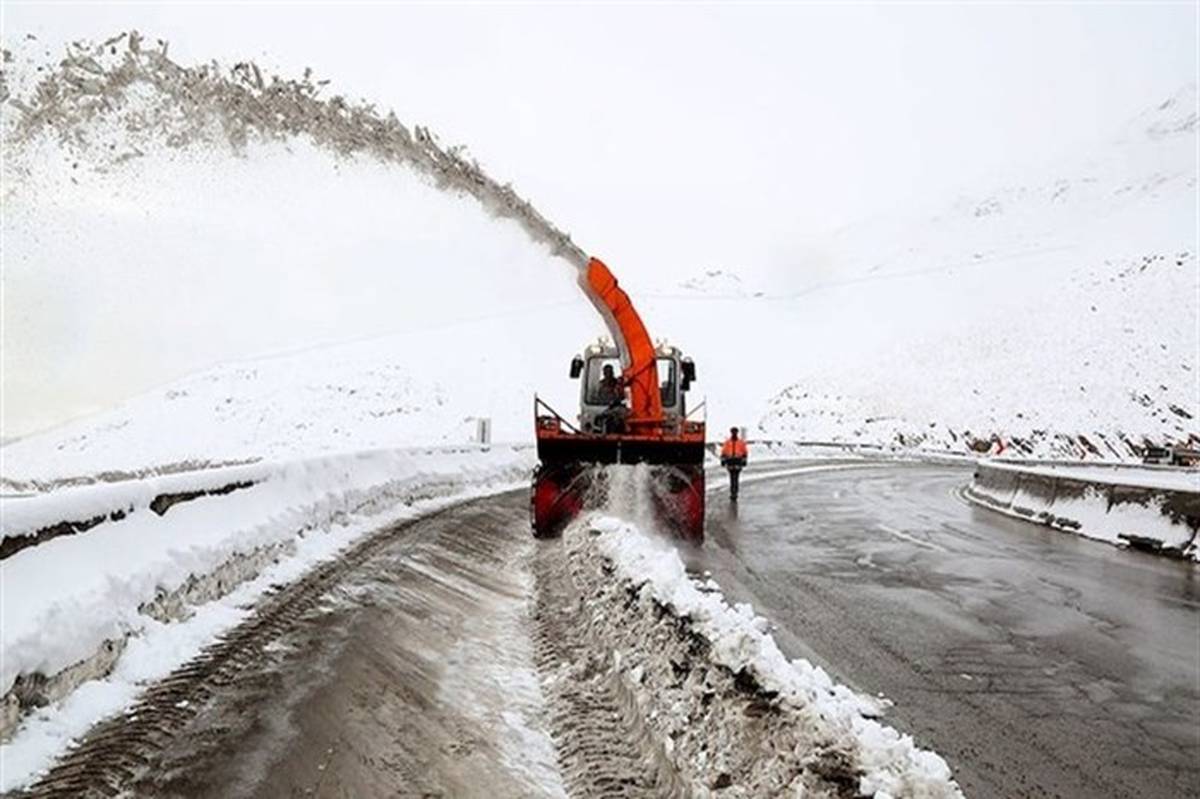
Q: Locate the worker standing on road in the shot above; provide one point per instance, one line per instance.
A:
(733, 458)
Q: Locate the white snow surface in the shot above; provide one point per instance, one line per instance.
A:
(892, 762)
(64, 597)
(1063, 299)
(405, 315)
(157, 650)
(1061, 302)
(26, 514)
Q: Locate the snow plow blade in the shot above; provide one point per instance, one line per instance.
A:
(571, 476)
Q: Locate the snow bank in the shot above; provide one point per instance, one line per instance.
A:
(883, 761)
(1154, 508)
(158, 648)
(82, 507)
(68, 596)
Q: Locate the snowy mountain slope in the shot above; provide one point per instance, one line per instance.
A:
(136, 251)
(1063, 305)
(394, 391)
(1043, 207)
(183, 262)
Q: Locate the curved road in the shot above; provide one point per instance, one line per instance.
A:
(1038, 663)
(428, 660)
(404, 668)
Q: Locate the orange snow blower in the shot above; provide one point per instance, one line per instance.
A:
(632, 410)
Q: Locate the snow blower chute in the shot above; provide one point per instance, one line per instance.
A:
(632, 410)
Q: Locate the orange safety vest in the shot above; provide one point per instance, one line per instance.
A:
(733, 448)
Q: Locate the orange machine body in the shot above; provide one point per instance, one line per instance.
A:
(572, 469)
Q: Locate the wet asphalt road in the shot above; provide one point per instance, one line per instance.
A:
(1036, 662)
(408, 673)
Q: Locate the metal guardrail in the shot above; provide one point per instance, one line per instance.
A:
(1035, 496)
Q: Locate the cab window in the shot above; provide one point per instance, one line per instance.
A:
(600, 391)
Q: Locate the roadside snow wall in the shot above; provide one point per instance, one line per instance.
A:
(732, 713)
(1152, 508)
(150, 551)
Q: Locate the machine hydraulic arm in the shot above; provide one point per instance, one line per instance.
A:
(639, 370)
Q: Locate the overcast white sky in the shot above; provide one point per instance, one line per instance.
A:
(678, 137)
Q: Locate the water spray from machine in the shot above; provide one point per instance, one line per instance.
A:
(115, 100)
(630, 495)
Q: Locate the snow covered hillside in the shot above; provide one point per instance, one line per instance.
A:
(1058, 312)
(395, 391)
(175, 251)
(471, 302)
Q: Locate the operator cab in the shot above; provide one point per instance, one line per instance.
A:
(604, 402)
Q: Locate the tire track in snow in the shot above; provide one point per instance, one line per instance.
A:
(602, 749)
(401, 667)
